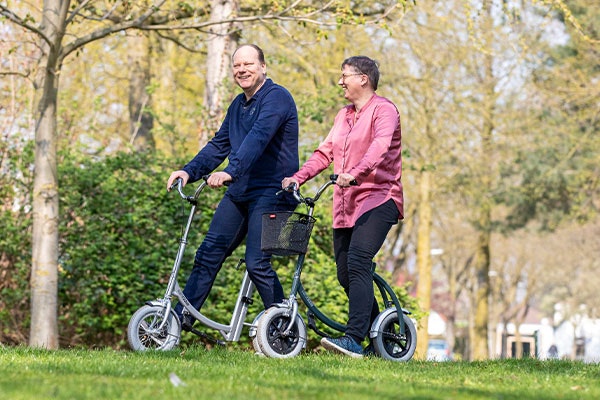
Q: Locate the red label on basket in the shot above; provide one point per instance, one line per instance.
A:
(272, 216)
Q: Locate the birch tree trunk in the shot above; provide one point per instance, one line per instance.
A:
(221, 42)
(141, 121)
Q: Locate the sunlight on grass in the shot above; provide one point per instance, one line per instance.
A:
(226, 373)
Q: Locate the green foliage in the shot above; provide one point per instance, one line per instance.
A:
(544, 192)
(554, 177)
(119, 233)
(16, 182)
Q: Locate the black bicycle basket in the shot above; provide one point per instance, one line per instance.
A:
(286, 233)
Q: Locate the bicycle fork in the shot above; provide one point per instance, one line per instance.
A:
(172, 285)
(292, 300)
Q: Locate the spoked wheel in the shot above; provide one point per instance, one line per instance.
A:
(390, 344)
(144, 331)
(271, 334)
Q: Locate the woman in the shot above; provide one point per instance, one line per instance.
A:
(364, 145)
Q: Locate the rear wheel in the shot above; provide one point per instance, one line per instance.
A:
(272, 336)
(390, 344)
(144, 331)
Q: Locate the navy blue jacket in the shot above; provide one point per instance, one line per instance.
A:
(260, 139)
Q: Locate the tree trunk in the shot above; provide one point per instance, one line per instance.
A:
(424, 260)
(480, 349)
(479, 339)
(451, 323)
(140, 120)
(44, 268)
(222, 41)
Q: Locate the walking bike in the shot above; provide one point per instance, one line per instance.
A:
(156, 326)
(281, 333)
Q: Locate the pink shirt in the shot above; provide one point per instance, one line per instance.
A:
(368, 146)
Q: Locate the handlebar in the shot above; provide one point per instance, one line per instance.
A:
(310, 201)
(178, 184)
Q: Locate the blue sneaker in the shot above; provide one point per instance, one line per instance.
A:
(345, 345)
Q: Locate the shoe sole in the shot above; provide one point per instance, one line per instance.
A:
(333, 347)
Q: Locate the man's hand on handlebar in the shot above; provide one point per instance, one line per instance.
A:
(219, 179)
(172, 181)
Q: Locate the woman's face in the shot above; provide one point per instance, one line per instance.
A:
(352, 82)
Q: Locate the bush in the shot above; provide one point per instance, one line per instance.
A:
(16, 182)
(119, 231)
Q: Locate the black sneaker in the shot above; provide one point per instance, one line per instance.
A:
(345, 345)
(187, 322)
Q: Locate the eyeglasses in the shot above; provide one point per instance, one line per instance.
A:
(344, 76)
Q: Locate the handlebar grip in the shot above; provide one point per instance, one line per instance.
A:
(205, 179)
(177, 182)
(333, 178)
(293, 188)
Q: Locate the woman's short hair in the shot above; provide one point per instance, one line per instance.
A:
(365, 65)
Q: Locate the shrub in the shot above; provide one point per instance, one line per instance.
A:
(119, 231)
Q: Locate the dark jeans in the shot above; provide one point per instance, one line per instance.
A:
(232, 222)
(354, 250)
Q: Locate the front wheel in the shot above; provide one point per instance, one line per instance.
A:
(272, 336)
(252, 334)
(390, 344)
(144, 331)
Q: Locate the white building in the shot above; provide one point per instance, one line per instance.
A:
(576, 338)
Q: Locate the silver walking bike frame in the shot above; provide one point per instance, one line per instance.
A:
(156, 326)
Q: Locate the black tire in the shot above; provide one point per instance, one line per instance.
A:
(270, 334)
(142, 333)
(389, 344)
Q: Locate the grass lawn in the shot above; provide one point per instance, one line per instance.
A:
(234, 373)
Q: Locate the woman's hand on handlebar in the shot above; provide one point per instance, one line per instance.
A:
(172, 181)
(289, 182)
(345, 180)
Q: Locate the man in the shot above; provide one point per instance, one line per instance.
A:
(259, 137)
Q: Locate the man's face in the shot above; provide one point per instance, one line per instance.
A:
(249, 73)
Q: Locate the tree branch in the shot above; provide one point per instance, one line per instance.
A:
(136, 23)
(11, 16)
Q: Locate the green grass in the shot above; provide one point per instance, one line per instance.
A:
(234, 373)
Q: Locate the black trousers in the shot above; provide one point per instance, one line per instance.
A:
(354, 250)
